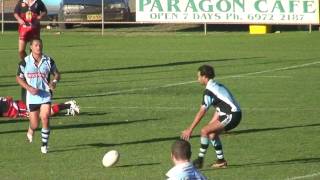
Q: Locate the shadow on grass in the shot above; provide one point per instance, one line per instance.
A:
(9, 85)
(158, 65)
(274, 163)
(136, 165)
(86, 125)
(12, 121)
(18, 120)
(97, 95)
(162, 139)
(103, 145)
(150, 66)
(94, 113)
(152, 140)
(246, 131)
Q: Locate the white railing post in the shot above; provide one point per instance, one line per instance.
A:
(2, 17)
(102, 17)
(205, 28)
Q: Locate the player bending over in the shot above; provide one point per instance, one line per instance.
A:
(226, 117)
(17, 108)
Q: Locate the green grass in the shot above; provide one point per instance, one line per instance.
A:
(120, 81)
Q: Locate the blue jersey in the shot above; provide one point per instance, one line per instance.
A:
(37, 76)
(185, 171)
(220, 97)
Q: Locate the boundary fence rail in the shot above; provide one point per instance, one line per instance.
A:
(103, 22)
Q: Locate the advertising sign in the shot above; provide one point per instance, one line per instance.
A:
(228, 11)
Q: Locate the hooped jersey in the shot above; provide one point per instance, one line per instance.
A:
(11, 108)
(29, 12)
(37, 76)
(220, 97)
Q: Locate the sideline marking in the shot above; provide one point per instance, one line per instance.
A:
(305, 176)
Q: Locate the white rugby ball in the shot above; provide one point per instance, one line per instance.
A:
(110, 158)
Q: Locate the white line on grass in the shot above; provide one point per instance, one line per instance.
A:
(266, 77)
(305, 176)
(166, 108)
(273, 70)
(190, 82)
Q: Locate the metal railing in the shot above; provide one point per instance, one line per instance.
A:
(102, 22)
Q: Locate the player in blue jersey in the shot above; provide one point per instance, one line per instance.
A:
(183, 168)
(226, 117)
(34, 76)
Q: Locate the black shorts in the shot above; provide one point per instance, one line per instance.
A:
(230, 121)
(36, 107)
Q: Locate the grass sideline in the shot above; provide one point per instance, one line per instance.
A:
(121, 81)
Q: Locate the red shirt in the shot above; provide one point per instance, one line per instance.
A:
(12, 109)
(29, 12)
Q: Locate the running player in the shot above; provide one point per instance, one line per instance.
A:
(226, 117)
(34, 75)
(18, 109)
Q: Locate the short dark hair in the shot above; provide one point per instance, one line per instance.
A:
(181, 149)
(35, 39)
(207, 71)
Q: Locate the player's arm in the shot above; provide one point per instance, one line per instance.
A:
(26, 86)
(17, 16)
(207, 101)
(187, 133)
(56, 75)
(43, 10)
(21, 79)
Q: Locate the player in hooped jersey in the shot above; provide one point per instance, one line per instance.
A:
(226, 117)
(28, 13)
(34, 75)
(18, 109)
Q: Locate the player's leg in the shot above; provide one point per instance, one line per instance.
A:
(45, 131)
(55, 109)
(33, 121)
(228, 122)
(74, 108)
(216, 142)
(22, 49)
(71, 106)
(214, 127)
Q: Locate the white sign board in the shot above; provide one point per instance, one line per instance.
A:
(228, 11)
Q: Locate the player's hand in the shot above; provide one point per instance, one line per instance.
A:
(52, 85)
(33, 90)
(21, 22)
(186, 134)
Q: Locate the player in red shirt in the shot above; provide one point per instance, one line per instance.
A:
(14, 109)
(28, 14)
